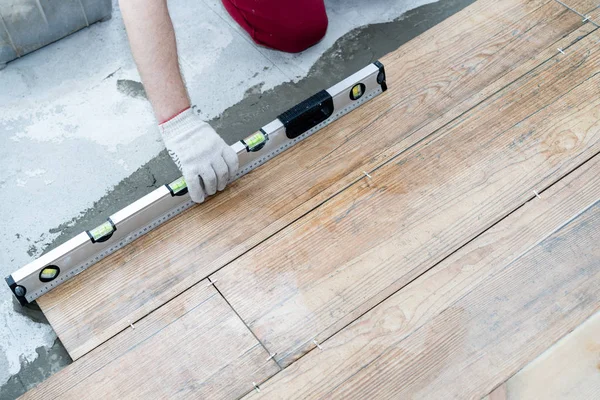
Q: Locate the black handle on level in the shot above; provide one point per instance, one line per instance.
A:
(308, 114)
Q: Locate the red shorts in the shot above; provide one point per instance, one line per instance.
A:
(286, 25)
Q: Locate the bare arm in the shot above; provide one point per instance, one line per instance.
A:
(152, 41)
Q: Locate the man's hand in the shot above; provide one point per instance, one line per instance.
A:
(203, 157)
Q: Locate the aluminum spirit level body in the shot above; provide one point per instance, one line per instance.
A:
(133, 221)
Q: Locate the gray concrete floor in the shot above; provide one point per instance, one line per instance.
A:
(78, 141)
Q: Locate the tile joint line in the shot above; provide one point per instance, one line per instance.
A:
(585, 18)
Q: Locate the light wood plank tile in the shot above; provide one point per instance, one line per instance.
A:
(193, 347)
(498, 394)
(482, 330)
(570, 369)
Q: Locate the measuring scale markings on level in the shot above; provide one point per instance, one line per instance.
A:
(140, 217)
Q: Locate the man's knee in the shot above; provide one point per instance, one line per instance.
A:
(286, 25)
(301, 34)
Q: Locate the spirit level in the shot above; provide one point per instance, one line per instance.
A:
(133, 221)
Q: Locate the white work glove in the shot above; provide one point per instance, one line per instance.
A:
(203, 157)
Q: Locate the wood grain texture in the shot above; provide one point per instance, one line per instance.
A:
(488, 330)
(570, 369)
(431, 80)
(193, 347)
(327, 269)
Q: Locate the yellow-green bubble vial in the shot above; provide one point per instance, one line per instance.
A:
(255, 140)
(178, 185)
(357, 91)
(48, 273)
(102, 230)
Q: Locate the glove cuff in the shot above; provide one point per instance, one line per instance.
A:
(181, 123)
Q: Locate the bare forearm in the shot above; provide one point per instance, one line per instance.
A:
(152, 41)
